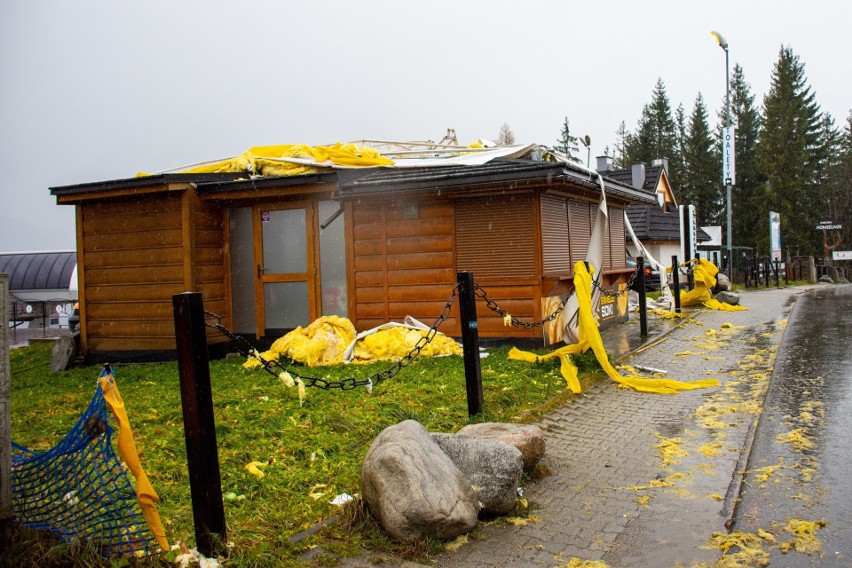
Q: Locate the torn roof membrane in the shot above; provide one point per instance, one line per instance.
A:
(298, 159)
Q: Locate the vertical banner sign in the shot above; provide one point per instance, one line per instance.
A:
(688, 232)
(775, 235)
(729, 167)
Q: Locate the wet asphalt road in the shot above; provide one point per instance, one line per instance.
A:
(801, 462)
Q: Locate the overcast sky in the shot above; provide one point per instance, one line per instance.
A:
(100, 90)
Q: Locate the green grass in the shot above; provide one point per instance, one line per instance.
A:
(312, 452)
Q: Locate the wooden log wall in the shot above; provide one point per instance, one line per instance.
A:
(137, 252)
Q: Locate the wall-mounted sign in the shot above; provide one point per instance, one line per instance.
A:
(841, 254)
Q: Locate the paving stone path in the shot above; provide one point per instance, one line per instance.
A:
(642, 479)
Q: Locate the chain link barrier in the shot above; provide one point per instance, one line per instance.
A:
(492, 305)
(275, 368)
(610, 293)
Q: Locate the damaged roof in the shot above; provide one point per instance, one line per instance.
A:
(498, 172)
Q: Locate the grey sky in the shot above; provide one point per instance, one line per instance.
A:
(100, 90)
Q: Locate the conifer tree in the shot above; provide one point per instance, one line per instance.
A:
(568, 143)
(700, 180)
(745, 206)
(620, 147)
(790, 151)
(655, 135)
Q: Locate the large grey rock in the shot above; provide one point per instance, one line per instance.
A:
(493, 467)
(528, 439)
(63, 353)
(729, 298)
(826, 279)
(723, 283)
(413, 487)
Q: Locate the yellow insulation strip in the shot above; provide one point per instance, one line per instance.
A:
(590, 337)
(264, 160)
(127, 448)
(704, 276)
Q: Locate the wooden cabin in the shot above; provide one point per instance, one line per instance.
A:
(374, 245)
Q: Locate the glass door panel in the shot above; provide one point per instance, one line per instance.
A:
(285, 254)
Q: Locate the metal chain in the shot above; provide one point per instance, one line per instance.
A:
(276, 368)
(610, 293)
(492, 305)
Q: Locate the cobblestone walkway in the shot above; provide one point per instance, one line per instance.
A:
(645, 479)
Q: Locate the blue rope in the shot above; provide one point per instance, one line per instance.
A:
(79, 489)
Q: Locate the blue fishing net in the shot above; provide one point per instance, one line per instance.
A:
(79, 489)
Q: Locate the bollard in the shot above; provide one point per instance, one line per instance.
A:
(676, 284)
(643, 309)
(470, 343)
(202, 455)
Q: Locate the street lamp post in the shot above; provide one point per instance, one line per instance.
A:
(587, 142)
(724, 45)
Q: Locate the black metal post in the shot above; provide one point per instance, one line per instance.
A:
(643, 309)
(470, 342)
(676, 284)
(202, 455)
(766, 270)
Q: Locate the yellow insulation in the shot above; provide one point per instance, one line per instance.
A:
(145, 493)
(325, 340)
(590, 337)
(704, 276)
(266, 160)
(321, 343)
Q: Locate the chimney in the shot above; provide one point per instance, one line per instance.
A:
(604, 164)
(661, 162)
(638, 171)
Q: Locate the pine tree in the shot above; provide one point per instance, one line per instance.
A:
(790, 152)
(568, 143)
(620, 147)
(745, 209)
(700, 183)
(838, 181)
(655, 135)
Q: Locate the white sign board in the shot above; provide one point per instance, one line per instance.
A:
(729, 151)
(775, 235)
(841, 255)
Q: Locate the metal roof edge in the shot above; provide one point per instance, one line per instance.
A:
(142, 181)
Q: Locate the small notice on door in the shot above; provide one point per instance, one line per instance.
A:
(264, 216)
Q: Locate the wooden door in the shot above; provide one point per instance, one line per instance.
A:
(286, 274)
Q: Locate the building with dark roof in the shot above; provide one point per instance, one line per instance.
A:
(372, 244)
(658, 226)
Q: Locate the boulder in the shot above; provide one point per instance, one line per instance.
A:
(729, 298)
(723, 283)
(63, 353)
(826, 279)
(413, 487)
(528, 439)
(493, 468)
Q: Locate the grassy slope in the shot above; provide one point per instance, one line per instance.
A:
(312, 452)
